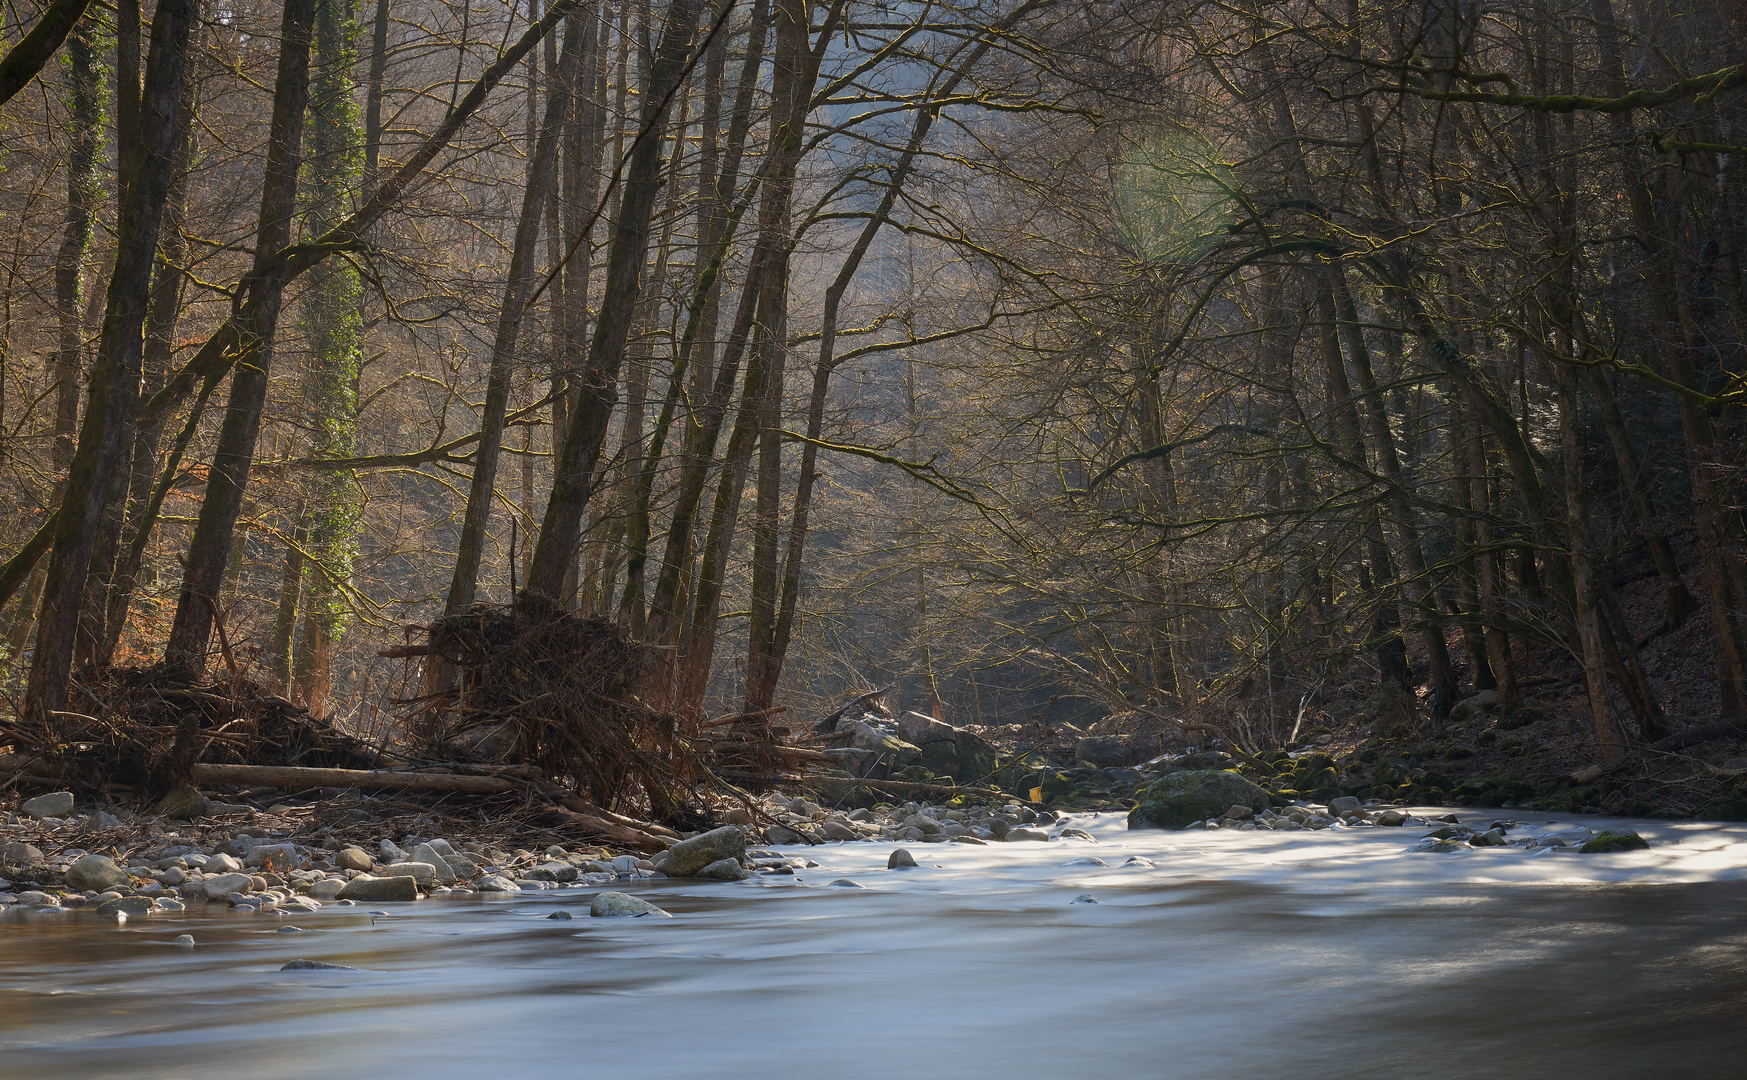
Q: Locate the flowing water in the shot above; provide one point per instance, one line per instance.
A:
(1312, 955)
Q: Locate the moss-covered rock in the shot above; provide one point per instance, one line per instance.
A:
(1613, 840)
(1175, 801)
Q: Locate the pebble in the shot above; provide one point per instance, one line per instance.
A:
(1085, 898)
(900, 859)
(185, 940)
(315, 965)
(560, 915)
(845, 883)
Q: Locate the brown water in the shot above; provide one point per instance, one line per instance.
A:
(978, 970)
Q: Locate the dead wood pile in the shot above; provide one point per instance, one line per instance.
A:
(121, 727)
(534, 684)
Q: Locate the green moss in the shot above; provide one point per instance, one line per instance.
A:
(1613, 840)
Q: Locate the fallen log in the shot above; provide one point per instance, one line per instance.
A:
(1680, 740)
(575, 810)
(288, 776)
(865, 781)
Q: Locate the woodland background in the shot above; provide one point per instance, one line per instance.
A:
(1139, 362)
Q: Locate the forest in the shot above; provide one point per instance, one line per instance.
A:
(1231, 368)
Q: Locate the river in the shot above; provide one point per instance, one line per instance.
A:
(1334, 954)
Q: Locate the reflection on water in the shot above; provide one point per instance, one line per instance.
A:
(932, 973)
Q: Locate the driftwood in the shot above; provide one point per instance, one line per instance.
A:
(894, 785)
(575, 809)
(857, 704)
(1680, 740)
(294, 777)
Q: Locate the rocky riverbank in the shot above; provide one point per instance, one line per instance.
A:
(54, 858)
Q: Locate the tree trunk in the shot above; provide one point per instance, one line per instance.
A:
(574, 468)
(257, 324)
(116, 373)
(521, 280)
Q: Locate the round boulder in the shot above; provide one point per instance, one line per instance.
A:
(1179, 799)
(96, 872)
(623, 905)
(687, 857)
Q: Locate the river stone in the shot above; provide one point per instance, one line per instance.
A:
(328, 888)
(96, 872)
(391, 853)
(1391, 817)
(381, 888)
(1027, 834)
(723, 870)
(54, 804)
(967, 838)
(465, 869)
(845, 883)
(947, 750)
(125, 905)
(610, 904)
(1489, 838)
(183, 804)
(222, 864)
(219, 886)
(687, 857)
(1344, 805)
(19, 853)
(1088, 860)
(1071, 833)
(561, 915)
(35, 898)
(283, 856)
(1239, 813)
(1609, 840)
(1440, 847)
(900, 859)
(315, 965)
(837, 830)
(561, 872)
(352, 858)
(422, 872)
(1176, 800)
(496, 883)
(440, 868)
(780, 834)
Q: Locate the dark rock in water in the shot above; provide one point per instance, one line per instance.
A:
(560, 915)
(126, 905)
(1451, 832)
(1613, 840)
(845, 883)
(1178, 799)
(1085, 898)
(316, 965)
(900, 860)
